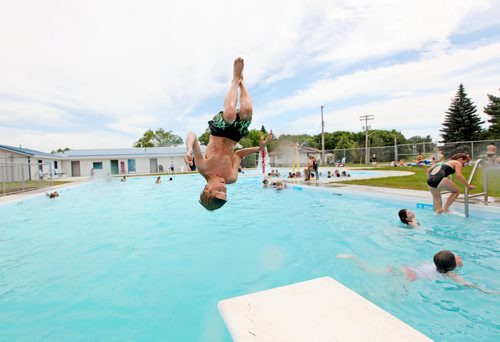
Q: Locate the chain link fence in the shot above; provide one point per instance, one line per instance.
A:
(16, 177)
(402, 153)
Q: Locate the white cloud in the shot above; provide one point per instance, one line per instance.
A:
(398, 94)
(152, 64)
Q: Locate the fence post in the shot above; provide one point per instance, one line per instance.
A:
(472, 150)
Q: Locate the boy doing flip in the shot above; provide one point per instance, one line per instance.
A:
(220, 164)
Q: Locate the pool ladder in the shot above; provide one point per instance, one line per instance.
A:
(485, 185)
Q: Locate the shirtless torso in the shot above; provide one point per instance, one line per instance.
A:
(220, 160)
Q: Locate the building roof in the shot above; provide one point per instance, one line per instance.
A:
(28, 152)
(173, 151)
(126, 152)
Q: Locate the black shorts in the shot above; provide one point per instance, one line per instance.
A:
(235, 131)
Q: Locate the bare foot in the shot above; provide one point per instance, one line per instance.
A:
(439, 211)
(238, 69)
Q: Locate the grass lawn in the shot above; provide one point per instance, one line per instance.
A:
(418, 181)
(13, 187)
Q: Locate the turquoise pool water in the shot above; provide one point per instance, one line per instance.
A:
(140, 261)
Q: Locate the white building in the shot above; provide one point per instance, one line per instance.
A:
(124, 161)
(22, 164)
(25, 164)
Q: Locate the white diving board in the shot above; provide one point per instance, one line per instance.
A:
(317, 310)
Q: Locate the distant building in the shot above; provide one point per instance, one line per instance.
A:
(21, 163)
(18, 164)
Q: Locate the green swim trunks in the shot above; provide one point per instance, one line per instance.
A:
(235, 131)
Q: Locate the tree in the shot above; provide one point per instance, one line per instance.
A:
(60, 150)
(417, 139)
(160, 137)
(205, 137)
(493, 110)
(461, 122)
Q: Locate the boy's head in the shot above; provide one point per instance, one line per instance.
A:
(446, 261)
(405, 216)
(214, 194)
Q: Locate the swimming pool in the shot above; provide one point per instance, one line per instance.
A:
(142, 261)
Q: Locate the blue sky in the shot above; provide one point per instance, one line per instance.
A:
(97, 74)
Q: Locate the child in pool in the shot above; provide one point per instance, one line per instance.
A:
(444, 262)
(407, 217)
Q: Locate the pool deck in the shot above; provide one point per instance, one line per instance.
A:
(321, 309)
(72, 181)
(423, 196)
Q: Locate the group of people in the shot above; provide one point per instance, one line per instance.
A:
(312, 168)
(158, 180)
(294, 174)
(336, 173)
(274, 173)
(278, 184)
(220, 164)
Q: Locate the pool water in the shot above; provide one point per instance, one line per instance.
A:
(144, 261)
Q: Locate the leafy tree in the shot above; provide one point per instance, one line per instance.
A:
(420, 139)
(205, 137)
(493, 110)
(59, 150)
(160, 137)
(461, 122)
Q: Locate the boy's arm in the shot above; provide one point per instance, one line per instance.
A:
(459, 280)
(249, 150)
(193, 151)
(240, 154)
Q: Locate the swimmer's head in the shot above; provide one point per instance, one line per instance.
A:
(214, 194)
(459, 156)
(402, 216)
(446, 261)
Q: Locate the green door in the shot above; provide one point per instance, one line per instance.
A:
(114, 167)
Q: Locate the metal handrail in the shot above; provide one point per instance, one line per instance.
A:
(485, 186)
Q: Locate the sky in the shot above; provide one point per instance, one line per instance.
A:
(98, 74)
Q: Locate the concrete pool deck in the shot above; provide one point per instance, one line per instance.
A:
(423, 196)
(321, 309)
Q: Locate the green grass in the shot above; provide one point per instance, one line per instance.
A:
(418, 181)
(11, 187)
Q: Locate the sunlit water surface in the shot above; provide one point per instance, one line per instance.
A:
(143, 261)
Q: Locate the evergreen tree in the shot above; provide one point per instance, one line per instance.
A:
(461, 122)
(493, 110)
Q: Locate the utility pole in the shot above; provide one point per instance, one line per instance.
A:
(322, 138)
(365, 118)
(395, 149)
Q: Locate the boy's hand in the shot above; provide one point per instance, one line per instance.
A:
(189, 157)
(265, 140)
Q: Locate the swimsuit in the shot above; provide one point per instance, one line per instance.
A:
(425, 271)
(235, 131)
(434, 180)
(491, 155)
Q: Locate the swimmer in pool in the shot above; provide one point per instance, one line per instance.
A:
(220, 164)
(437, 180)
(444, 262)
(407, 217)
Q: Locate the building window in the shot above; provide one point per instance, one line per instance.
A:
(55, 164)
(97, 165)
